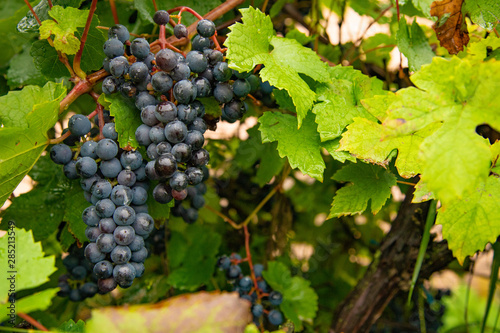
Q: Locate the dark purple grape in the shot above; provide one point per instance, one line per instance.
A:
(180, 31)
(166, 60)
(161, 17)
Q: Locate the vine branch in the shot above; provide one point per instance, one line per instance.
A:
(78, 56)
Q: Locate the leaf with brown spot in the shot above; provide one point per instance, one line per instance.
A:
(450, 26)
(198, 312)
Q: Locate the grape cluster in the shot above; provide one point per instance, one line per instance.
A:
(79, 283)
(244, 285)
(165, 87)
(114, 181)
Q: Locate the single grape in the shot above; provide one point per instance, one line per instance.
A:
(113, 48)
(180, 72)
(140, 195)
(178, 181)
(107, 225)
(175, 131)
(222, 72)
(194, 175)
(198, 125)
(199, 43)
(137, 243)
(254, 83)
(143, 224)
(105, 208)
(79, 125)
(161, 17)
(102, 189)
(161, 82)
(139, 268)
(140, 173)
(124, 274)
(223, 93)
(131, 159)
(107, 149)
(144, 99)
(198, 202)
(139, 48)
(258, 269)
(186, 113)
(241, 87)
(124, 215)
(148, 114)
(245, 283)
(208, 74)
(126, 178)
(75, 296)
(121, 195)
(275, 317)
(106, 285)
(89, 149)
(120, 255)
(223, 262)
(206, 28)
(61, 153)
(157, 134)
(86, 167)
(166, 60)
(185, 91)
(179, 195)
(195, 139)
(106, 243)
(151, 152)
(93, 254)
(165, 112)
(196, 61)
(162, 193)
(163, 148)
(266, 87)
(109, 85)
(199, 158)
(109, 131)
(111, 168)
(263, 286)
(181, 152)
(103, 269)
(142, 135)
(275, 298)
(257, 310)
(124, 235)
(138, 71)
(233, 272)
(234, 110)
(119, 31)
(88, 289)
(92, 233)
(139, 256)
(180, 31)
(213, 56)
(69, 170)
(118, 66)
(128, 89)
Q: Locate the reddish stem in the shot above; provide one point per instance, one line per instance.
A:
(50, 3)
(33, 12)
(249, 257)
(113, 10)
(154, 4)
(397, 8)
(32, 321)
(99, 109)
(82, 87)
(78, 57)
(162, 38)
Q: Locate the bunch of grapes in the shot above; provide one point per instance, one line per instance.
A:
(165, 87)
(264, 300)
(79, 283)
(114, 181)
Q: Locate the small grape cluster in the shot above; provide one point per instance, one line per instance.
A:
(114, 181)
(261, 297)
(79, 283)
(165, 86)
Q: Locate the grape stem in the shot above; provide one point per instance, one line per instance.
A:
(78, 56)
(99, 109)
(154, 5)
(114, 11)
(33, 12)
(163, 42)
(32, 321)
(82, 86)
(50, 3)
(249, 257)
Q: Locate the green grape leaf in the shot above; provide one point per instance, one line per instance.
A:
(150, 288)
(158, 211)
(252, 150)
(195, 312)
(414, 45)
(71, 326)
(302, 147)
(369, 183)
(300, 37)
(11, 40)
(93, 53)
(485, 13)
(38, 301)
(31, 266)
(471, 222)
(22, 71)
(250, 43)
(52, 200)
(26, 116)
(371, 142)
(28, 23)
(127, 119)
(192, 256)
(332, 147)
(47, 60)
(68, 20)
(422, 193)
(341, 101)
(478, 50)
(300, 302)
(456, 96)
